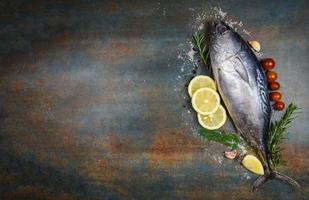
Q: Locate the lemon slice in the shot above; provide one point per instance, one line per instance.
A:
(200, 82)
(253, 164)
(205, 101)
(213, 121)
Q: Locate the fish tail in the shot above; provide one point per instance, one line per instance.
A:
(274, 175)
(287, 179)
(259, 182)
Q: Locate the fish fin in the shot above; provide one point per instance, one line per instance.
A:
(274, 175)
(241, 70)
(259, 182)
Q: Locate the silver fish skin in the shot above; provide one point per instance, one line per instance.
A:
(243, 88)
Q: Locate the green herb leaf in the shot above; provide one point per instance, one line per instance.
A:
(199, 43)
(228, 139)
(278, 132)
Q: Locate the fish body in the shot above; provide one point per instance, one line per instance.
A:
(243, 88)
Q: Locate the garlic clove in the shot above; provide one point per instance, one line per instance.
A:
(230, 154)
(255, 45)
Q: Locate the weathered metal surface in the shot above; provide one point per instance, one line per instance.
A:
(91, 106)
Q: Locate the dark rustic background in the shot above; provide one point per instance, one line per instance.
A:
(91, 100)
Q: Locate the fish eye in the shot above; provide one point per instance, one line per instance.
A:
(222, 29)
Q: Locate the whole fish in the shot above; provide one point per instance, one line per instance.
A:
(243, 88)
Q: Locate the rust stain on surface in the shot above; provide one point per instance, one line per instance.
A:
(117, 51)
(36, 117)
(120, 145)
(107, 172)
(30, 192)
(112, 143)
(296, 158)
(7, 179)
(61, 39)
(114, 52)
(113, 7)
(171, 147)
(16, 86)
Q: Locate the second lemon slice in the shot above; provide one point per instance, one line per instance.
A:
(213, 121)
(205, 101)
(200, 81)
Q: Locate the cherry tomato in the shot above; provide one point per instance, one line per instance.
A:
(273, 86)
(275, 96)
(271, 76)
(279, 105)
(268, 63)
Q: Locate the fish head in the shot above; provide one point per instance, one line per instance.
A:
(224, 42)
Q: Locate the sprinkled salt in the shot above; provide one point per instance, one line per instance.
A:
(219, 12)
(191, 54)
(164, 12)
(246, 32)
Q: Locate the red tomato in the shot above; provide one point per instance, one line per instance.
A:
(279, 105)
(268, 63)
(271, 76)
(274, 86)
(275, 96)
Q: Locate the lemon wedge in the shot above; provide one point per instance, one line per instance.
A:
(213, 121)
(253, 164)
(205, 101)
(200, 81)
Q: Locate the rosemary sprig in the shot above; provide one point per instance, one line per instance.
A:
(227, 139)
(201, 48)
(278, 132)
